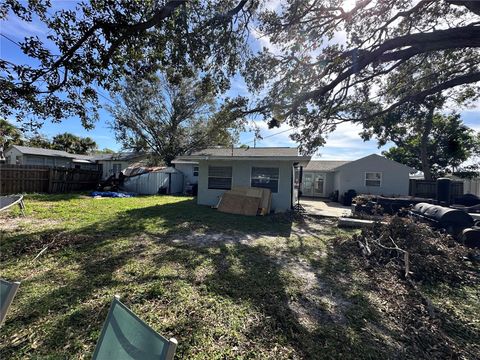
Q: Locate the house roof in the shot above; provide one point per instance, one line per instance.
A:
(377, 157)
(122, 156)
(324, 165)
(125, 156)
(265, 153)
(191, 162)
(248, 152)
(27, 150)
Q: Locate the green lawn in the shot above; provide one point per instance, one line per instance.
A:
(225, 286)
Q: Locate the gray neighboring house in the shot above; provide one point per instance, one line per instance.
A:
(112, 164)
(372, 174)
(220, 169)
(25, 155)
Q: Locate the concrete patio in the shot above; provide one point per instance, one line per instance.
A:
(323, 207)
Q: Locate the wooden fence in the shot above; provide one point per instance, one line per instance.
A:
(428, 189)
(15, 179)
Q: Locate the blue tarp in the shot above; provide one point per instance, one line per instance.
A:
(112, 194)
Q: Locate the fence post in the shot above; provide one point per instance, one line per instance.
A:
(413, 187)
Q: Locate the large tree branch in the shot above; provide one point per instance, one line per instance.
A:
(472, 5)
(127, 30)
(420, 96)
(467, 36)
(107, 27)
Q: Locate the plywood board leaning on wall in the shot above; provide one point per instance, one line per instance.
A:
(239, 204)
(264, 194)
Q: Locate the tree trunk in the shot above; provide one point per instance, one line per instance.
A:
(427, 173)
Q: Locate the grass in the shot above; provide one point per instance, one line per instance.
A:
(286, 293)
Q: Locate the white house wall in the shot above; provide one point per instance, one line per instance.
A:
(187, 171)
(395, 176)
(241, 171)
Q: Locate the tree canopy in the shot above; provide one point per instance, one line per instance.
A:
(168, 118)
(13, 135)
(449, 144)
(73, 144)
(326, 61)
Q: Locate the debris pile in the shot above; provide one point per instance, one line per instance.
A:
(407, 266)
(415, 251)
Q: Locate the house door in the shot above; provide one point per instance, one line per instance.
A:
(319, 185)
(307, 184)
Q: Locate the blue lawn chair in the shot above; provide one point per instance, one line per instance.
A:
(124, 336)
(7, 293)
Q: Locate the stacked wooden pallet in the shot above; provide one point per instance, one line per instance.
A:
(246, 201)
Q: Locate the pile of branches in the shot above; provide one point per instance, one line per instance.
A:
(416, 252)
(404, 260)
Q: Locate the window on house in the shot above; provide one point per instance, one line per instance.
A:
(220, 177)
(265, 177)
(373, 179)
(195, 171)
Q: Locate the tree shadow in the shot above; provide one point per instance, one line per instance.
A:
(201, 287)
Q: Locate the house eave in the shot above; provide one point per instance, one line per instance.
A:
(244, 158)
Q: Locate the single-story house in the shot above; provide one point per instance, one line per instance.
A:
(114, 164)
(25, 155)
(221, 169)
(372, 174)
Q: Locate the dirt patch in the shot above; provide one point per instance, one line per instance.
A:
(319, 303)
(12, 224)
(216, 238)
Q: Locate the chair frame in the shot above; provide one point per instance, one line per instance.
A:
(172, 342)
(8, 301)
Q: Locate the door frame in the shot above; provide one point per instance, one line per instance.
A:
(314, 174)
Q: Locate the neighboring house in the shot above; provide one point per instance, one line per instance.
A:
(373, 174)
(111, 163)
(114, 164)
(25, 155)
(189, 170)
(221, 169)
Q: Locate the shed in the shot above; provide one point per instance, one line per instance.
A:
(167, 181)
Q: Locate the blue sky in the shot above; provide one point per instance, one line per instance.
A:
(344, 143)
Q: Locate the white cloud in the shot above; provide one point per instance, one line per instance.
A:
(263, 41)
(17, 29)
(343, 144)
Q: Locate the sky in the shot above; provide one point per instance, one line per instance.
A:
(343, 144)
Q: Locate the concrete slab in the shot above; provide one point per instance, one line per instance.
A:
(322, 207)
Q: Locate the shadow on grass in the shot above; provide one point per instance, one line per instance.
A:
(198, 284)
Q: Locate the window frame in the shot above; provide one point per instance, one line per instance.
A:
(379, 180)
(266, 167)
(219, 177)
(195, 172)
